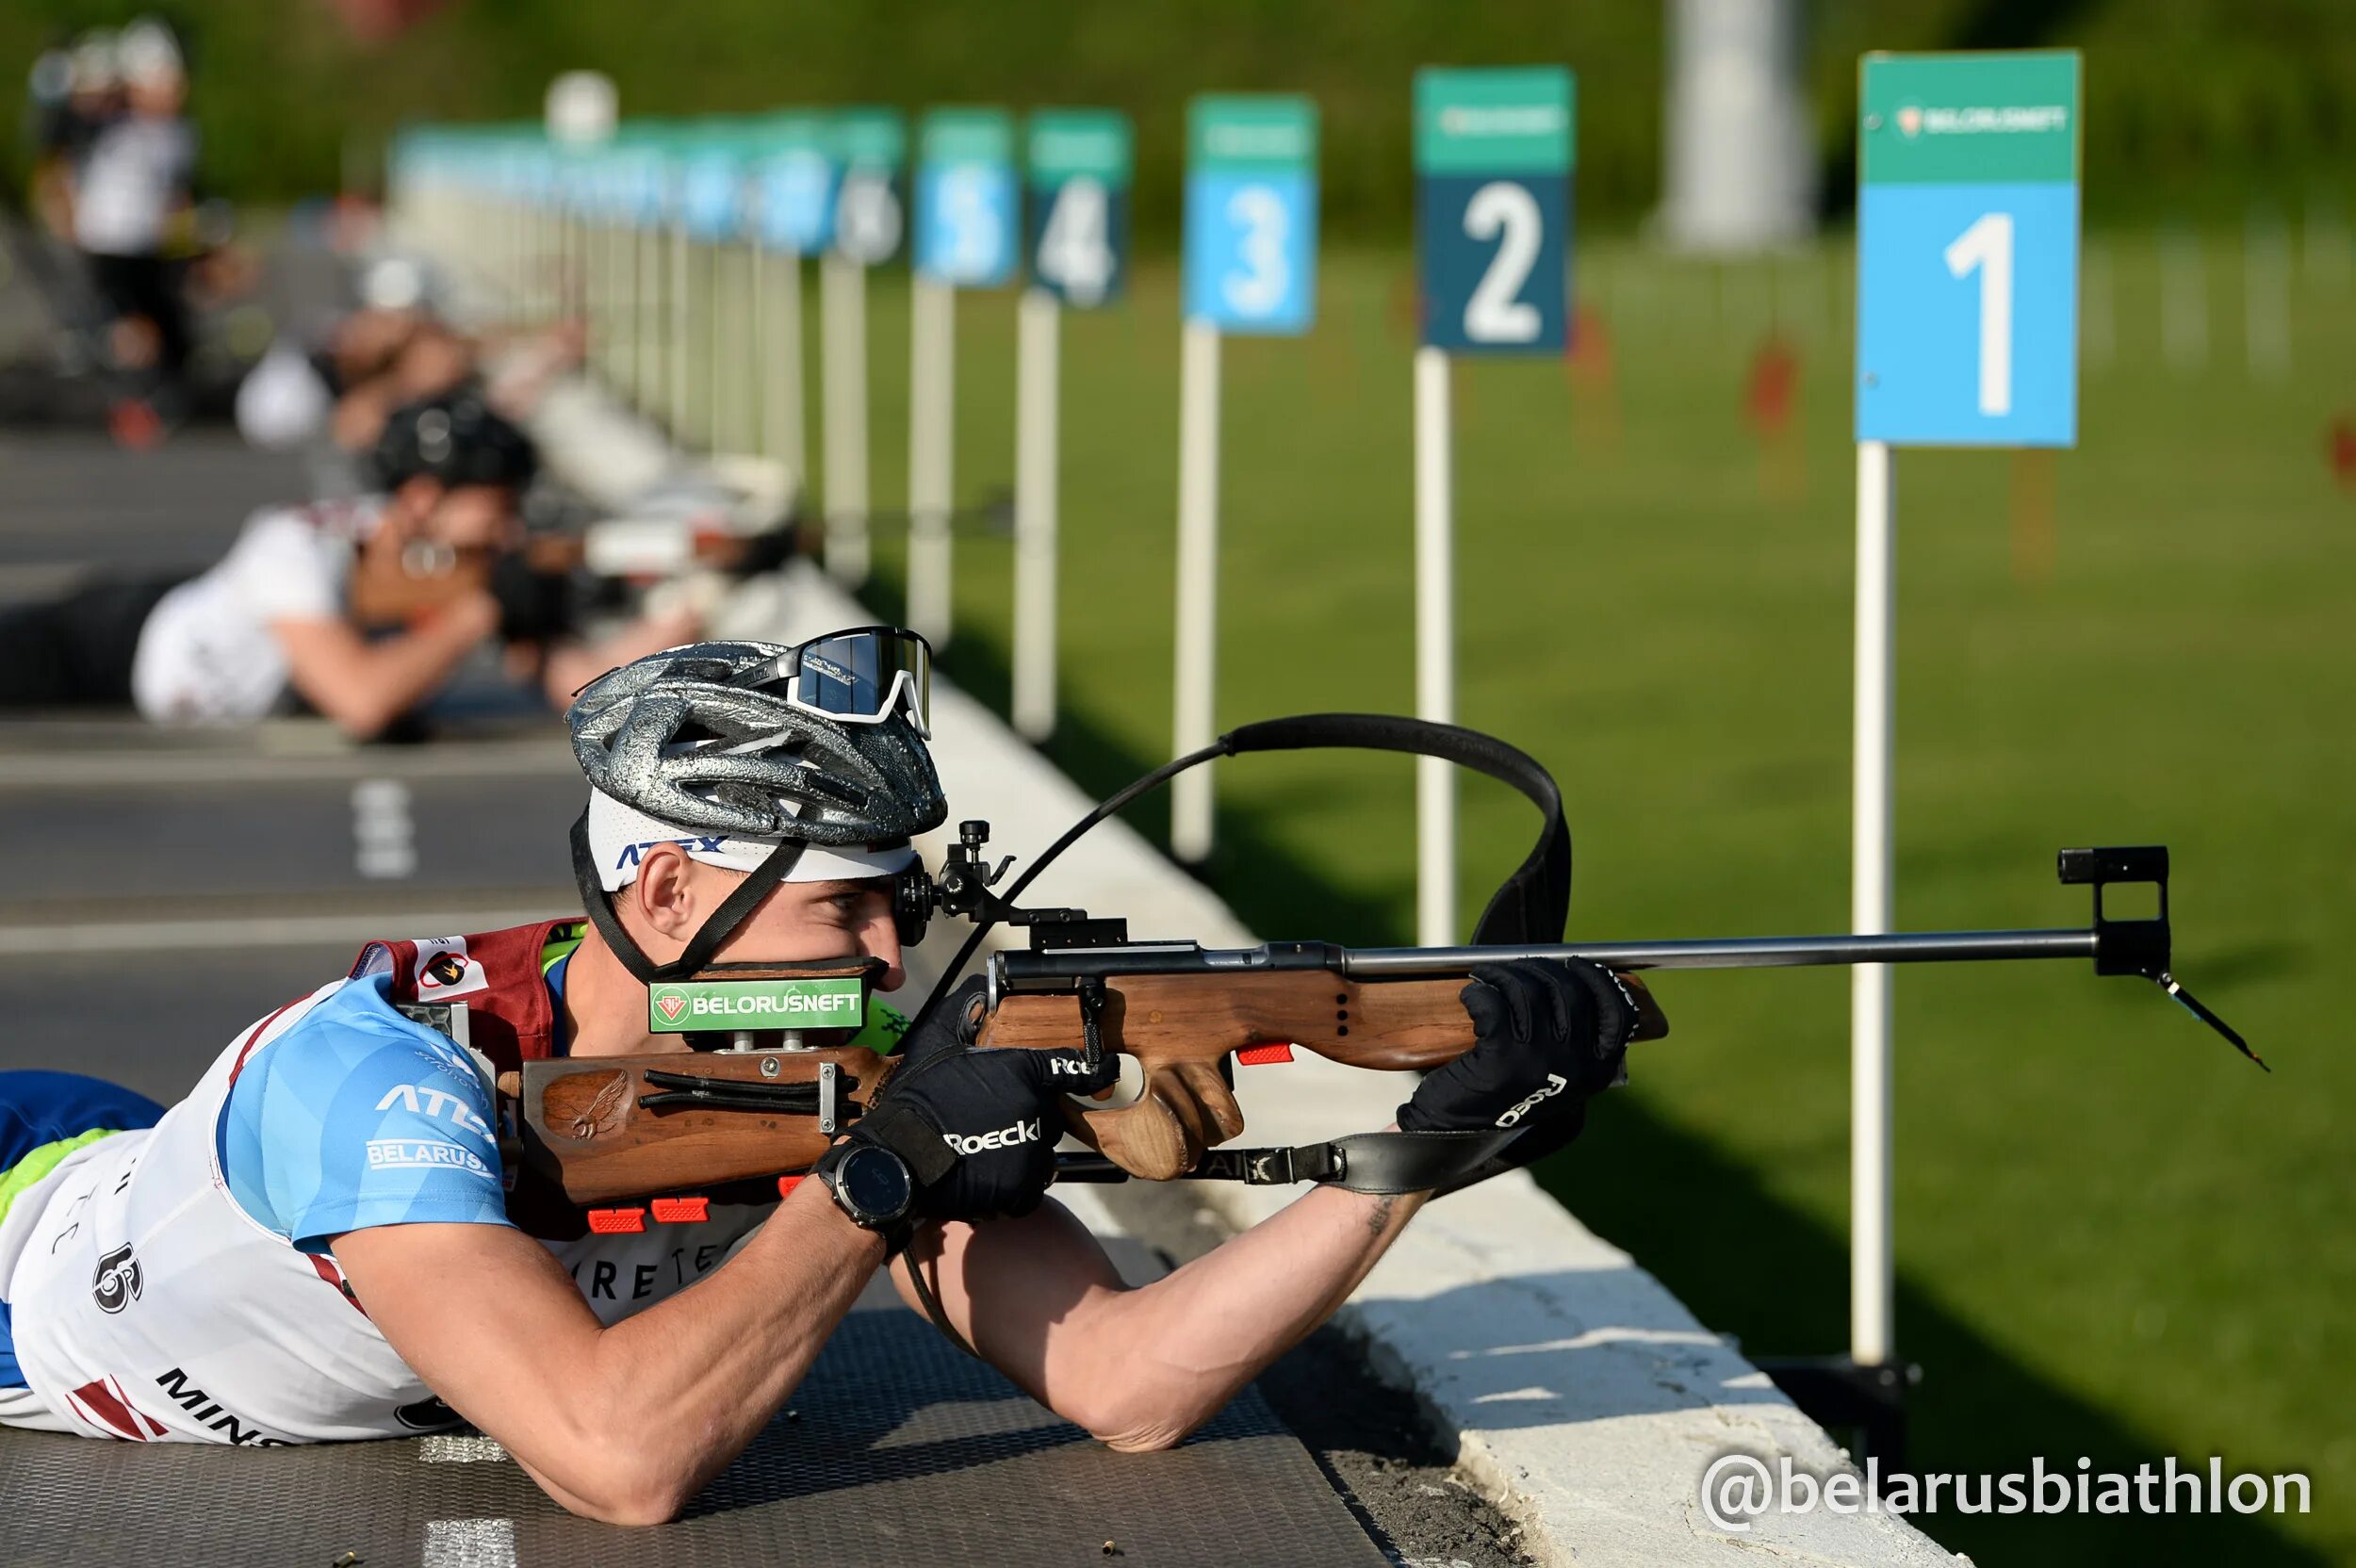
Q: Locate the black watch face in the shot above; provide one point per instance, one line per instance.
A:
(872, 1183)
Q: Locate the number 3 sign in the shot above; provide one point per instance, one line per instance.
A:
(1968, 250)
(1493, 209)
(1252, 213)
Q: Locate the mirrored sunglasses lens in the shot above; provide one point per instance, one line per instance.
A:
(838, 675)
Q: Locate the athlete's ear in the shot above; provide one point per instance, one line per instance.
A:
(664, 893)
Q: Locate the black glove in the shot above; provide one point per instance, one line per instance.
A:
(977, 1128)
(949, 1027)
(1549, 1035)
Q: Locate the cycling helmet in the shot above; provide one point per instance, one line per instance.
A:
(705, 738)
(456, 438)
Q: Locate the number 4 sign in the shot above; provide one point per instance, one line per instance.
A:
(1968, 250)
(1493, 209)
(1079, 178)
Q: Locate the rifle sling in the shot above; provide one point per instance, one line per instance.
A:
(1375, 1163)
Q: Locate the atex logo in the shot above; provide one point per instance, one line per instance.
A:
(1005, 1138)
(1555, 1084)
(423, 1101)
(116, 1284)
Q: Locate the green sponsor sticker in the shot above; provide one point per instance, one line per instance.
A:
(966, 136)
(712, 1005)
(1977, 119)
(1072, 144)
(871, 138)
(1515, 120)
(1251, 134)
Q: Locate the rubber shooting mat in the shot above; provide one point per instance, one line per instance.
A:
(896, 1448)
(124, 824)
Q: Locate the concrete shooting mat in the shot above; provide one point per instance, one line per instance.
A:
(896, 1448)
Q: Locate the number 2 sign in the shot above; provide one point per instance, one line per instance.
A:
(1968, 250)
(1493, 209)
(1252, 213)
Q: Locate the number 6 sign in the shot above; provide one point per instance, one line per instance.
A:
(1252, 214)
(1968, 250)
(1493, 209)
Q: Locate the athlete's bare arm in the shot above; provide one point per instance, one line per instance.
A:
(623, 1424)
(572, 665)
(362, 685)
(1140, 1368)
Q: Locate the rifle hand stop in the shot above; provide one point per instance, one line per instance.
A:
(2138, 946)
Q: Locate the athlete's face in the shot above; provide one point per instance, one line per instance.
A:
(801, 922)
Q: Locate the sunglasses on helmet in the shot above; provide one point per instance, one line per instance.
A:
(860, 676)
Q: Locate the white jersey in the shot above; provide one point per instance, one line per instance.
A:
(206, 654)
(179, 1283)
(136, 172)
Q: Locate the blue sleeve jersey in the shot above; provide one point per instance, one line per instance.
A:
(357, 1116)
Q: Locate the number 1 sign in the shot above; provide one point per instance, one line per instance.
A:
(1968, 250)
(1493, 209)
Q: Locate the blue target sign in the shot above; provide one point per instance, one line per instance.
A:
(1252, 214)
(1968, 250)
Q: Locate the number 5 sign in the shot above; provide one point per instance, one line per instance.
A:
(1252, 213)
(1493, 209)
(1968, 250)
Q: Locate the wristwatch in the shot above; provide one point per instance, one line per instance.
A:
(871, 1186)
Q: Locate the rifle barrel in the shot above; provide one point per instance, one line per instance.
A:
(1920, 947)
(1058, 967)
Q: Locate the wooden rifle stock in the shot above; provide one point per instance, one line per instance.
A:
(599, 1129)
(604, 1128)
(1180, 1028)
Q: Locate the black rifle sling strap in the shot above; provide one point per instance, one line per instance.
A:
(1530, 907)
(925, 1294)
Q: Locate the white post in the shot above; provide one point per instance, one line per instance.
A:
(682, 319)
(1198, 583)
(1036, 414)
(932, 404)
(1436, 648)
(1869, 1276)
(842, 336)
(718, 414)
(645, 324)
(780, 346)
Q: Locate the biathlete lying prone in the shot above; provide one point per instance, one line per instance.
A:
(317, 1243)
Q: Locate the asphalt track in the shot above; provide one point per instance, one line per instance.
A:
(163, 891)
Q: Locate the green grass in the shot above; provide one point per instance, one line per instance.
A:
(2115, 1237)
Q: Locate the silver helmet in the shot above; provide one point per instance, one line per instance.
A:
(713, 736)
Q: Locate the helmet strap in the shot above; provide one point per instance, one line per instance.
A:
(598, 906)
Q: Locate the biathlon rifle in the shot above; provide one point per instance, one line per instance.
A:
(607, 1129)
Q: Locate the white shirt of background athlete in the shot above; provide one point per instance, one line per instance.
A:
(206, 654)
(137, 172)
